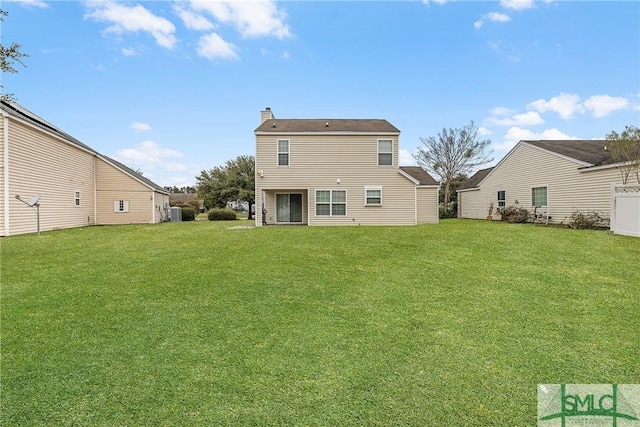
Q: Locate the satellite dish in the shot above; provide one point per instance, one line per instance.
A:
(35, 199)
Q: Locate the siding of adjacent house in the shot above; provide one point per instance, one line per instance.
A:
(39, 162)
(112, 185)
(316, 162)
(569, 189)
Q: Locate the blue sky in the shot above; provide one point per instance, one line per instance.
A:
(175, 87)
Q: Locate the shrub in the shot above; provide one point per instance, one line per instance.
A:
(217, 214)
(514, 214)
(195, 203)
(188, 213)
(449, 213)
(586, 220)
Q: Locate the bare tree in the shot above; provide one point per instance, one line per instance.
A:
(453, 152)
(8, 57)
(625, 149)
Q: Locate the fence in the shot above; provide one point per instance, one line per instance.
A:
(625, 209)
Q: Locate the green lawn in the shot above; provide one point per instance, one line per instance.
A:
(198, 324)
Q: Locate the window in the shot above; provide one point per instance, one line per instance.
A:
(385, 152)
(539, 196)
(331, 202)
(502, 198)
(373, 196)
(283, 152)
(120, 206)
(76, 198)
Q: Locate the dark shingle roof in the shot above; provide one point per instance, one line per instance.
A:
(320, 125)
(587, 151)
(419, 174)
(19, 111)
(475, 179)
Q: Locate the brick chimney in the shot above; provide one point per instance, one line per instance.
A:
(266, 115)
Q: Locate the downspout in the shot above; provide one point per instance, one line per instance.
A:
(5, 167)
(153, 207)
(415, 205)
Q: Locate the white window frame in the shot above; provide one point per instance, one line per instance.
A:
(121, 206)
(503, 201)
(367, 197)
(385, 152)
(288, 152)
(331, 202)
(76, 198)
(546, 188)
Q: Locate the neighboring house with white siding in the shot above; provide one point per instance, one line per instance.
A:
(79, 186)
(337, 172)
(552, 178)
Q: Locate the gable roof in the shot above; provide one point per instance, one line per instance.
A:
(22, 113)
(419, 174)
(476, 179)
(327, 126)
(591, 152)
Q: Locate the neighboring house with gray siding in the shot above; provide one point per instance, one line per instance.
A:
(554, 178)
(80, 186)
(337, 172)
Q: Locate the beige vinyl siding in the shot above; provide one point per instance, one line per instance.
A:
(317, 162)
(41, 163)
(111, 185)
(568, 189)
(427, 201)
(4, 195)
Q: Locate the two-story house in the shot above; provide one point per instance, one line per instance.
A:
(337, 172)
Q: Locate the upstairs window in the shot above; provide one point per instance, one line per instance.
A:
(539, 196)
(385, 152)
(76, 198)
(373, 196)
(502, 198)
(283, 152)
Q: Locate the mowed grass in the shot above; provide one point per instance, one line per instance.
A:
(198, 324)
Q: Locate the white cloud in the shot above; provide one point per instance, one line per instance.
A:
(436, 1)
(146, 155)
(140, 127)
(192, 20)
(516, 134)
(213, 46)
(29, 3)
(251, 18)
(405, 158)
(133, 19)
(483, 131)
(517, 4)
(491, 17)
(603, 105)
(566, 105)
(286, 55)
(525, 119)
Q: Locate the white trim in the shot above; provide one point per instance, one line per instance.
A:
(278, 152)
(153, 207)
(373, 188)
(6, 172)
(601, 167)
(409, 177)
(384, 152)
(505, 198)
(545, 186)
(330, 190)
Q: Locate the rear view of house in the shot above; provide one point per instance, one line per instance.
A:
(79, 186)
(337, 172)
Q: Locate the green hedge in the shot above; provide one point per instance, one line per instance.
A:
(188, 213)
(222, 215)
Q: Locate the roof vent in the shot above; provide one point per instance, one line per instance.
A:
(326, 125)
(274, 125)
